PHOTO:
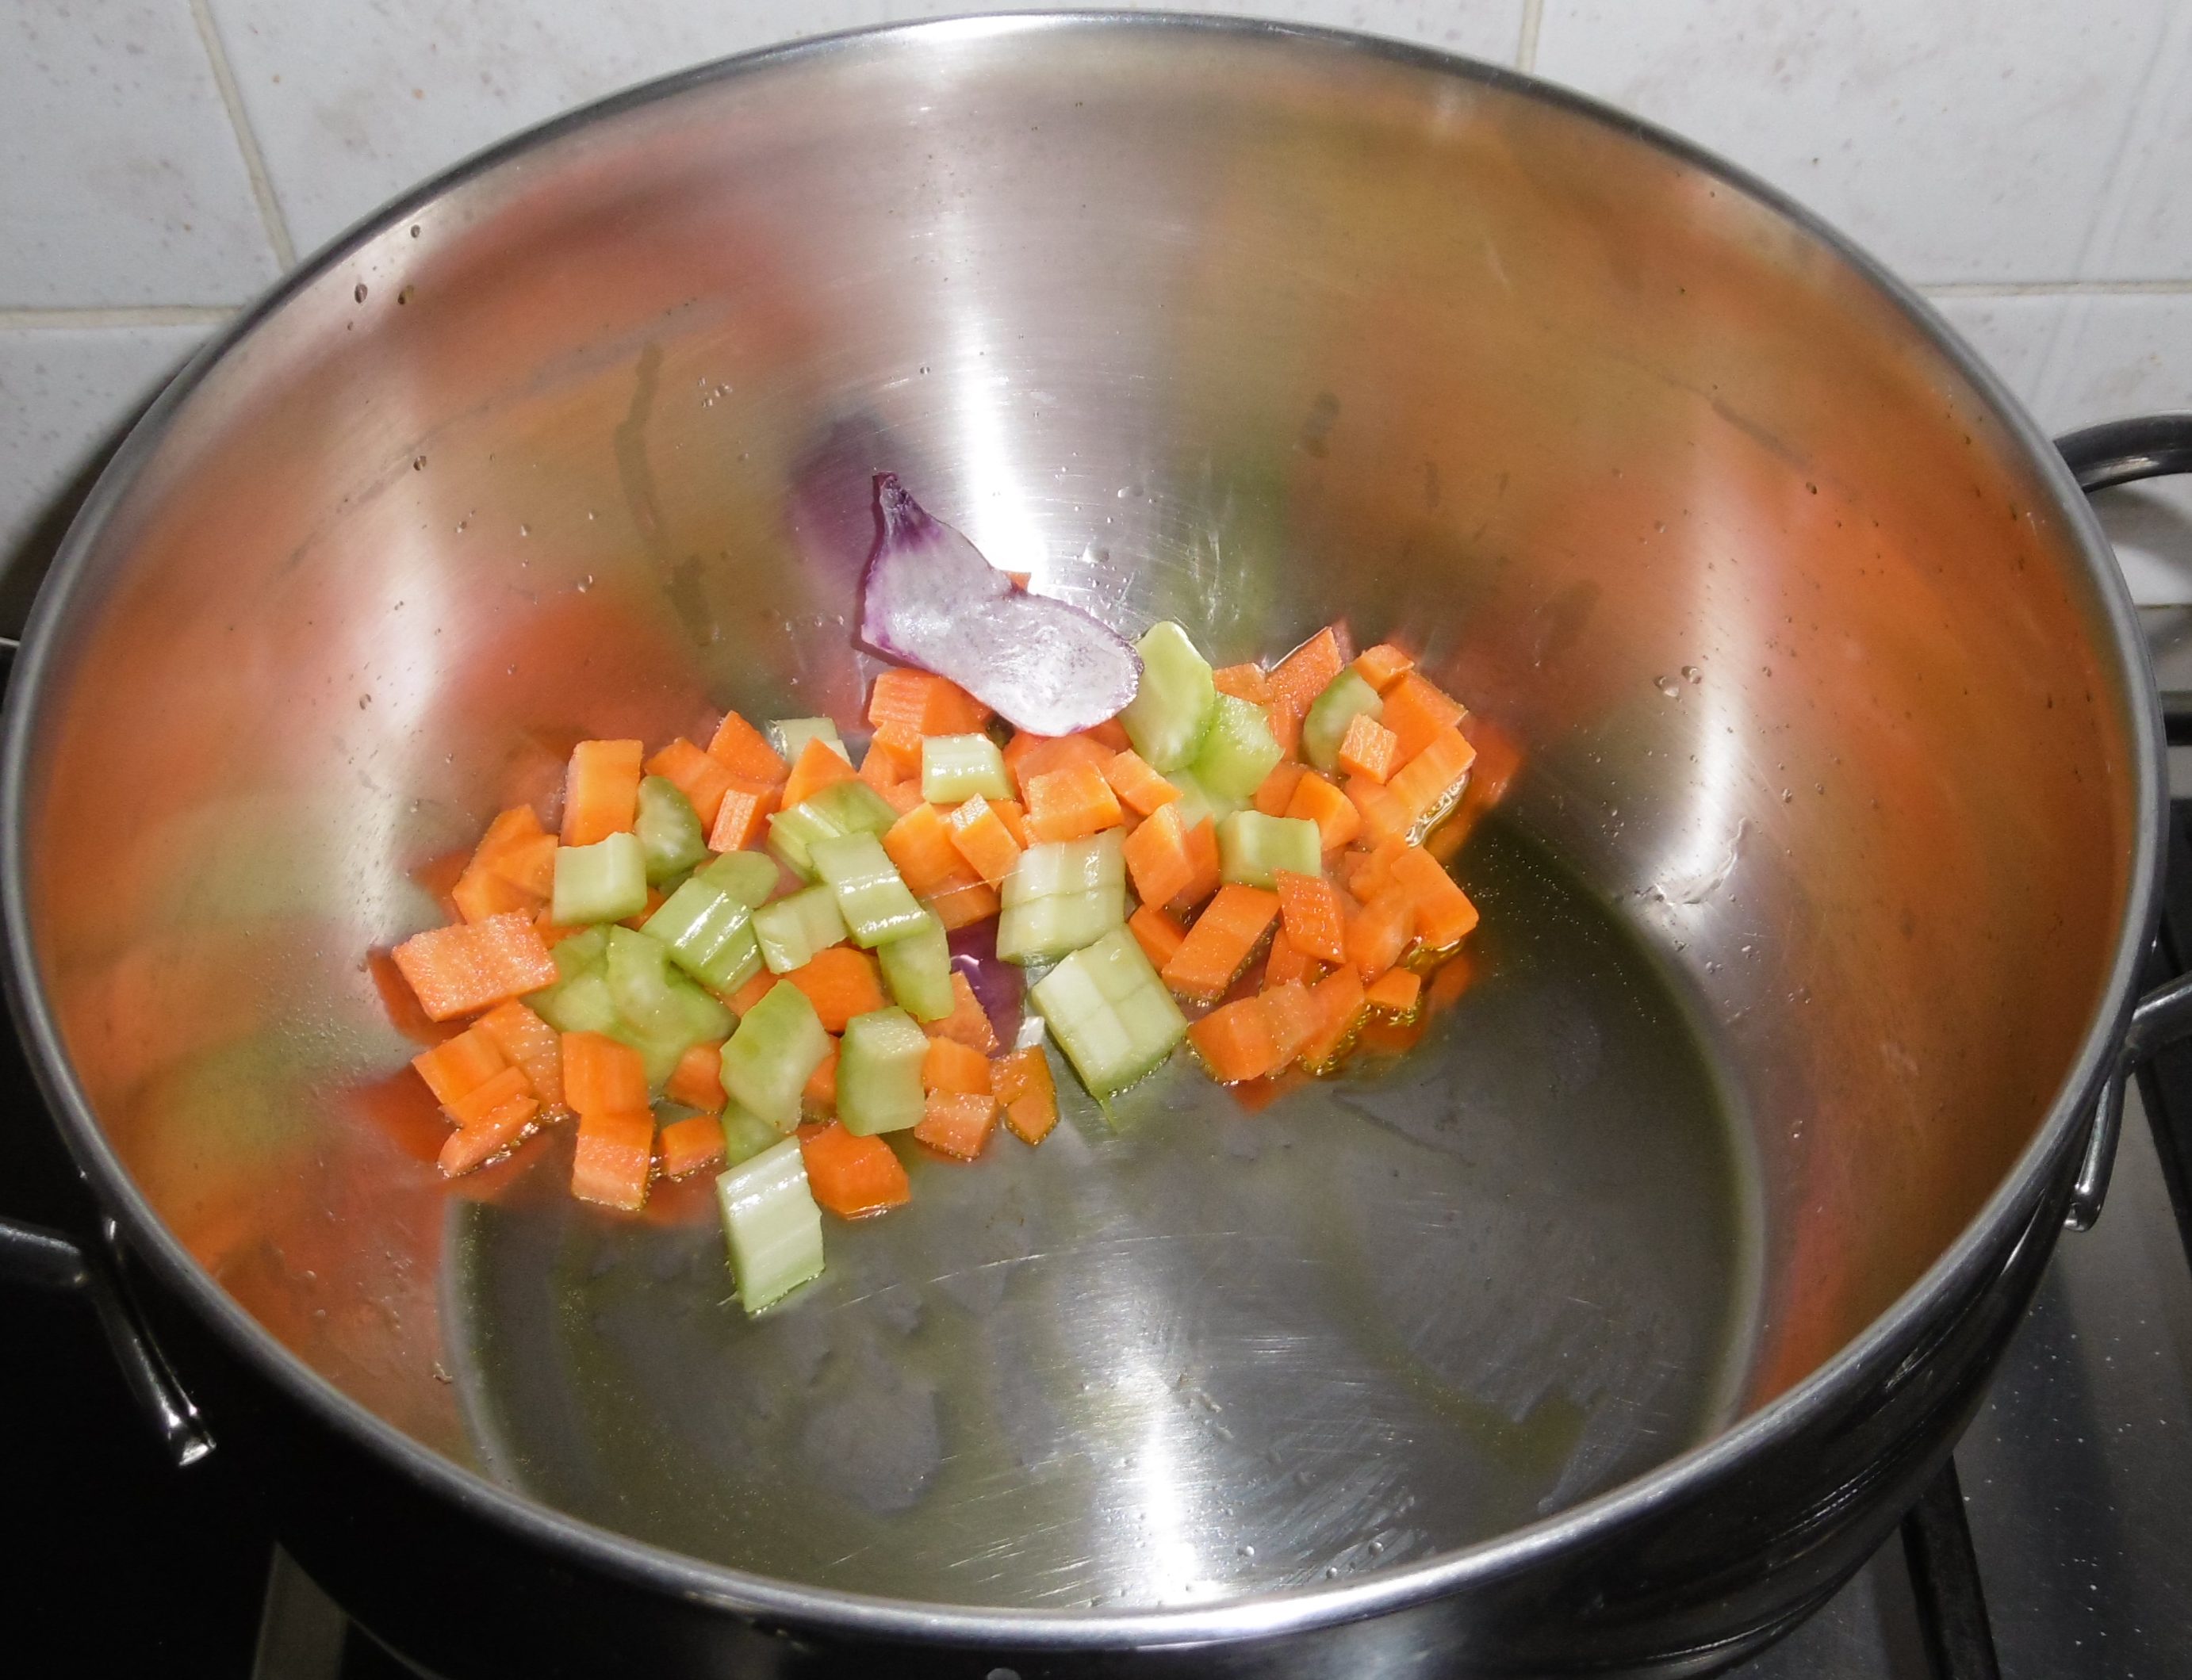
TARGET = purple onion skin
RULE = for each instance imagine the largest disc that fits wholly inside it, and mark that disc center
(928, 599)
(998, 986)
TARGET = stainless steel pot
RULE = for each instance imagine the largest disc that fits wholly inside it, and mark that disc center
(1556, 1347)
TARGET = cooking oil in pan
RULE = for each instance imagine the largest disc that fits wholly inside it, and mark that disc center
(1192, 1351)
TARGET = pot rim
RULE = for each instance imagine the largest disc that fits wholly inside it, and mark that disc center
(1262, 1615)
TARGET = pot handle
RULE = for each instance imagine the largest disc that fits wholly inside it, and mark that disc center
(2122, 451)
(30, 1254)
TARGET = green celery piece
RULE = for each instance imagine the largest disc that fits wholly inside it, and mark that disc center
(871, 896)
(879, 1071)
(1253, 847)
(1172, 708)
(660, 1006)
(746, 876)
(790, 736)
(709, 932)
(1197, 801)
(1042, 930)
(917, 968)
(1331, 712)
(745, 1134)
(1110, 1013)
(579, 1003)
(581, 953)
(792, 930)
(847, 807)
(604, 882)
(668, 830)
(957, 767)
(776, 1048)
(1239, 751)
(771, 1224)
(1053, 866)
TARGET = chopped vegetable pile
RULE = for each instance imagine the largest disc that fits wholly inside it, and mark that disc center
(754, 934)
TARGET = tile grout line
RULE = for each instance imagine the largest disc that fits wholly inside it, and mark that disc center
(1526, 49)
(150, 315)
(255, 161)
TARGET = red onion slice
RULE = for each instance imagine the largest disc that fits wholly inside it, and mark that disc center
(930, 600)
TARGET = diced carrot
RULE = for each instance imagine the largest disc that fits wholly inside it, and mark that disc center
(1424, 781)
(1369, 873)
(926, 704)
(1415, 710)
(957, 1124)
(818, 767)
(1304, 674)
(528, 862)
(743, 1000)
(457, 1067)
(1338, 1000)
(1449, 980)
(1157, 858)
(1158, 935)
(1444, 914)
(1386, 1036)
(468, 966)
(518, 823)
(481, 892)
(1028, 756)
(968, 1023)
(818, 1097)
(1203, 859)
(1286, 729)
(1288, 960)
(600, 790)
(920, 844)
(880, 767)
(701, 777)
(1378, 934)
(982, 839)
(1235, 1042)
(689, 1144)
(1368, 748)
(742, 814)
(1292, 1017)
(697, 1081)
(552, 935)
(480, 1141)
(852, 1177)
(529, 1043)
(841, 983)
(1316, 924)
(902, 796)
(615, 1154)
(1224, 938)
(744, 751)
(601, 1076)
(1070, 802)
(954, 1067)
(1022, 1083)
(1110, 735)
(1248, 682)
(1337, 820)
(902, 741)
(483, 1099)
(1013, 815)
(1396, 992)
(1139, 788)
(512, 869)
(1276, 789)
(1383, 666)
(656, 898)
(1384, 817)
(963, 902)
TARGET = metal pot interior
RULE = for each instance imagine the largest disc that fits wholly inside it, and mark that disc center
(1796, 918)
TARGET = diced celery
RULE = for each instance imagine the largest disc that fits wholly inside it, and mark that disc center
(1172, 708)
(581, 953)
(660, 1006)
(668, 830)
(745, 1134)
(1060, 896)
(1110, 1012)
(1053, 866)
(709, 931)
(792, 930)
(879, 1071)
(746, 876)
(871, 896)
(847, 807)
(917, 968)
(775, 1051)
(1239, 751)
(1331, 712)
(579, 1003)
(771, 1224)
(790, 736)
(604, 882)
(956, 767)
(1252, 846)
(1196, 801)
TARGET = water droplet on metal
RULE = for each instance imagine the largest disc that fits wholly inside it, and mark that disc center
(1693, 674)
(360, 292)
(1667, 687)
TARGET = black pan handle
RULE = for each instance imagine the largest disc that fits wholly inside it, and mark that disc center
(2122, 451)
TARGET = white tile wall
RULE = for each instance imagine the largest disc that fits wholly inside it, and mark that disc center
(2028, 162)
